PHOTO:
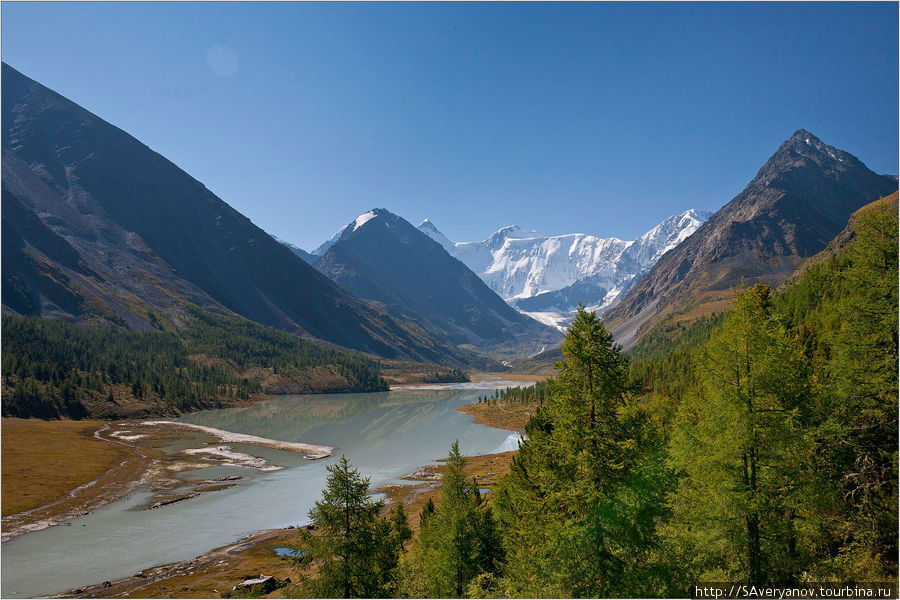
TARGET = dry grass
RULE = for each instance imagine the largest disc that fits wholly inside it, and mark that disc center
(485, 469)
(404, 372)
(502, 415)
(212, 574)
(44, 460)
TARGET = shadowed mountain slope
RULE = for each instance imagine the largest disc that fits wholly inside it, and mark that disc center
(800, 199)
(848, 234)
(382, 257)
(97, 227)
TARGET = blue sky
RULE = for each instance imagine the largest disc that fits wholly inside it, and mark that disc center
(601, 118)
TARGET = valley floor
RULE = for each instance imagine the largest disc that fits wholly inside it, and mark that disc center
(53, 470)
(216, 572)
(257, 553)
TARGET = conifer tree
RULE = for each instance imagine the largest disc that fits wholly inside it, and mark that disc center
(863, 372)
(354, 549)
(427, 510)
(400, 530)
(448, 538)
(593, 368)
(580, 506)
(457, 539)
(739, 446)
(845, 312)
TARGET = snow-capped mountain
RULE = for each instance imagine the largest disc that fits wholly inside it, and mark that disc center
(552, 274)
(313, 256)
(428, 228)
(382, 257)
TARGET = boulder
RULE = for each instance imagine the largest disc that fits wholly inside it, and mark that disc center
(263, 583)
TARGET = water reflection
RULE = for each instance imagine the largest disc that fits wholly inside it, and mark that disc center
(385, 435)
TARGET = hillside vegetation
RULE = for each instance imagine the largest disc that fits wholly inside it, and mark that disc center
(756, 447)
(53, 369)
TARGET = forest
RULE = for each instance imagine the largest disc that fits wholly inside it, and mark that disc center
(53, 369)
(759, 447)
(523, 395)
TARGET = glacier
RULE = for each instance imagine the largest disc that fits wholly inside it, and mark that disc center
(547, 276)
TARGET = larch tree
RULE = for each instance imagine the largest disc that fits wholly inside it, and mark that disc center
(457, 541)
(739, 446)
(580, 506)
(355, 550)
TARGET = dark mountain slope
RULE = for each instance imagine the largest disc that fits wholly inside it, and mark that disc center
(382, 257)
(307, 257)
(800, 199)
(106, 229)
(848, 234)
(22, 272)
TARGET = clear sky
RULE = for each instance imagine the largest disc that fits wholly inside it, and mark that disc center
(599, 118)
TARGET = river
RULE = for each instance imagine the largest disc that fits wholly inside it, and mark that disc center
(385, 435)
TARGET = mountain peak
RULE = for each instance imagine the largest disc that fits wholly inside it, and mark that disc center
(383, 258)
(693, 213)
(804, 144)
(194, 249)
(428, 228)
(799, 200)
(427, 224)
(515, 232)
(374, 215)
(364, 218)
(323, 248)
(804, 135)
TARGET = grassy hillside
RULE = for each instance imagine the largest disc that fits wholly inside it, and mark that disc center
(45, 460)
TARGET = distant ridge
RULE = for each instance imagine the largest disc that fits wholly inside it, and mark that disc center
(307, 257)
